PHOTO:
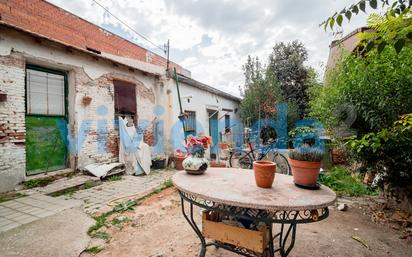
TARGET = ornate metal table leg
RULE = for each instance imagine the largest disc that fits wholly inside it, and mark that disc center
(192, 223)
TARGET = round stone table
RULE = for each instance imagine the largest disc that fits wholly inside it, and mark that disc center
(232, 192)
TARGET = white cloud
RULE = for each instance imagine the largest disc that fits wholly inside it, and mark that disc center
(233, 29)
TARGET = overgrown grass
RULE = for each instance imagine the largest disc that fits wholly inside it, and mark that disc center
(114, 178)
(344, 184)
(38, 182)
(10, 196)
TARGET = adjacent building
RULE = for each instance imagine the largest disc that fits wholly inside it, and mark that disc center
(64, 81)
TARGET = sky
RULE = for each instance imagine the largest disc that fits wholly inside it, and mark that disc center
(213, 38)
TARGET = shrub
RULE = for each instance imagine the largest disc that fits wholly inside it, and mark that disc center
(343, 183)
(388, 152)
(377, 87)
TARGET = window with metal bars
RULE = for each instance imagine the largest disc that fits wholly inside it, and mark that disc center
(190, 122)
(45, 93)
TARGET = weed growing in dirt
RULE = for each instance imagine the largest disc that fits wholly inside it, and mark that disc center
(88, 184)
(38, 182)
(114, 178)
(343, 183)
(101, 235)
(10, 196)
(93, 249)
(100, 222)
(120, 220)
(125, 206)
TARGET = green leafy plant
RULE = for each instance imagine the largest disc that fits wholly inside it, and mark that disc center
(301, 132)
(309, 154)
(93, 249)
(388, 151)
(101, 221)
(377, 89)
(120, 220)
(125, 206)
(40, 182)
(343, 183)
(392, 28)
(114, 178)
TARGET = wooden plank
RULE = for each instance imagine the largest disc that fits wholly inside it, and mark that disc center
(246, 238)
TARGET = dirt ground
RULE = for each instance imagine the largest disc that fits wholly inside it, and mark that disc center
(158, 229)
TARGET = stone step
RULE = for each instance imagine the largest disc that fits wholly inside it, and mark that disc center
(62, 184)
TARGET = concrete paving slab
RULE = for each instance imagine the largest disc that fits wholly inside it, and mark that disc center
(31, 208)
(60, 235)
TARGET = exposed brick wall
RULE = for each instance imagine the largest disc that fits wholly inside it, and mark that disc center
(46, 19)
(12, 122)
(102, 92)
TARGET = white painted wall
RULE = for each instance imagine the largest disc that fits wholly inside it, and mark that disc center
(200, 101)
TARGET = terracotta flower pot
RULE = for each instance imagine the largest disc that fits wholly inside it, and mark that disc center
(223, 146)
(264, 173)
(305, 173)
(178, 162)
(87, 100)
(216, 164)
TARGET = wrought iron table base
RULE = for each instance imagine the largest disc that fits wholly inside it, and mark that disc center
(288, 221)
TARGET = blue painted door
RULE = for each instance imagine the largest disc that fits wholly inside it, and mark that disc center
(214, 133)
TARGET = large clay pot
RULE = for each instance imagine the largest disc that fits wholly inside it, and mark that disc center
(178, 162)
(305, 173)
(264, 173)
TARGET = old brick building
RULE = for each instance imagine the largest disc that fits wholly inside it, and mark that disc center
(64, 81)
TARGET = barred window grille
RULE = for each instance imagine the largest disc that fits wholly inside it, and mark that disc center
(190, 123)
(45, 93)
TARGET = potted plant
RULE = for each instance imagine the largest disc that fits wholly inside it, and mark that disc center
(179, 157)
(159, 161)
(196, 163)
(305, 163)
(264, 173)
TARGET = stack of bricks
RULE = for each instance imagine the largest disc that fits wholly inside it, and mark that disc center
(12, 121)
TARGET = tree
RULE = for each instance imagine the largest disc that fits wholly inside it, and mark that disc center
(393, 28)
(260, 93)
(286, 65)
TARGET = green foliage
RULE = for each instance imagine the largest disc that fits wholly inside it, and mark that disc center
(120, 220)
(341, 181)
(114, 178)
(377, 87)
(10, 196)
(388, 151)
(285, 79)
(387, 30)
(40, 182)
(286, 65)
(260, 93)
(101, 221)
(101, 235)
(125, 206)
(309, 154)
(93, 249)
(393, 28)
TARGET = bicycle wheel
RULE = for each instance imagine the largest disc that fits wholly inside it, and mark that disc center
(240, 159)
(282, 164)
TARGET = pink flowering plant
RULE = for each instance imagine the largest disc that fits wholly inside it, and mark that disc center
(196, 146)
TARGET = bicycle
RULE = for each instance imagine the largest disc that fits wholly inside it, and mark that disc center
(245, 158)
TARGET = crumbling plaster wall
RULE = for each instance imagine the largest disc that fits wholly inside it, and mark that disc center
(12, 122)
(87, 75)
